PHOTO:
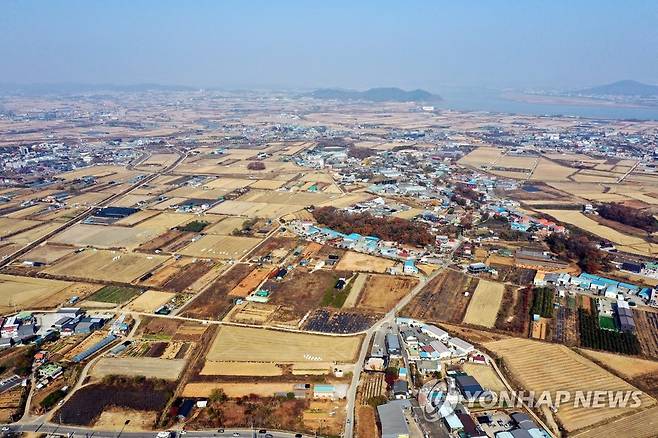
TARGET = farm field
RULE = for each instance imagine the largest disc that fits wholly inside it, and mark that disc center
(150, 300)
(47, 253)
(221, 368)
(443, 298)
(626, 366)
(254, 209)
(104, 236)
(250, 282)
(115, 418)
(514, 310)
(356, 261)
(106, 265)
(357, 286)
(226, 226)
(483, 307)
(235, 390)
(220, 247)
(32, 234)
(481, 157)
(27, 292)
(640, 425)
(150, 367)
(259, 345)
(114, 294)
(214, 301)
(624, 242)
(382, 292)
(647, 331)
(13, 226)
(552, 367)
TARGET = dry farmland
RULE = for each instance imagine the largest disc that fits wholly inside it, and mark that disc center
(235, 390)
(215, 368)
(356, 261)
(226, 226)
(9, 227)
(484, 305)
(47, 253)
(382, 292)
(150, 367)
(626, 366)
(538, 366)
(220, 247)
(106, 265)
(150, 300)
(260, 345)
(104, 236)
(25, 292)
(640, 425)
(444, 298)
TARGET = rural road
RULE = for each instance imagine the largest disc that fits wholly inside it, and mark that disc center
(71, 431)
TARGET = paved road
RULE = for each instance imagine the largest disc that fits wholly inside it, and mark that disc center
(60, 430)
(389, 318)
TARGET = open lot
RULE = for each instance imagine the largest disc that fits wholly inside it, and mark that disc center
(356, 261)
(150, 367)
(260, 345)
(483, 307)
(539, 366)
(625, 366)
(220, 247)
(235, 390)
(106, 265)
(150, 300)
(444, 298)
(485, 375)
(382, 292)
(26, 292)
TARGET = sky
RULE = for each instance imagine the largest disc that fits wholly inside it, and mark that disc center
(350, 44)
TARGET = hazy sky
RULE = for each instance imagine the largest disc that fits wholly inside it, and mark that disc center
(278, 43)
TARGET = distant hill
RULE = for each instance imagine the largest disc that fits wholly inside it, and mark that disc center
(376, 95)
(622, 88)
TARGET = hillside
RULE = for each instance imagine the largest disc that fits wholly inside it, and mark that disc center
(376, 95)
(622, 88)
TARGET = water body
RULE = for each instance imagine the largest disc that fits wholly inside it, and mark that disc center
(491, 101)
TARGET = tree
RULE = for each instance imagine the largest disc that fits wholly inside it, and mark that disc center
(218, 396)
(256, 165)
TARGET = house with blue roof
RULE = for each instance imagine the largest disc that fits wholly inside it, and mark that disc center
(410, 267)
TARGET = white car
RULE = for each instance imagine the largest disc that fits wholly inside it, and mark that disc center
(5, 428)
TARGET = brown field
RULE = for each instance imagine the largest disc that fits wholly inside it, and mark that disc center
(382, 292)
(250, 282)
(626, 366)
(165, 221)
(47, 253)
(104, 265)
(552, 367)
(356, 261)
(27, 292)
(15, 226)
(485, 375)
(136, 218)
(150, 367)
(260, 345)
(483, 307)
(104, 236)
(547, 170)
(221, 247)
(226, 226)
(115, 418)
(214, 301)
(29, 236)
(150, 300)
(366, 422)
(251, 313)
(254, 209)
(302, 291)
(215, 368)
(235, 390)
(640, 425)
(482, 157)
(514, 311)
(443, 298)
(646, 328)
(188, 275)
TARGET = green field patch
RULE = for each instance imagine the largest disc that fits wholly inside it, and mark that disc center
(114, 294)
(607, 323)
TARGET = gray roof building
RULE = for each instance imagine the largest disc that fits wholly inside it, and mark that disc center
(392, 419)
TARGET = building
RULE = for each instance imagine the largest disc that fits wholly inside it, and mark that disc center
(393, 345)
(469, 387)
(436, 332)
(461, 347)
(410, 267)
(477, 268)
(400, 389)
(393, 419)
